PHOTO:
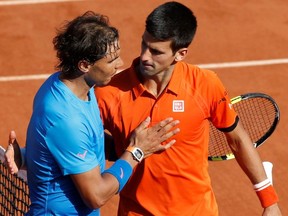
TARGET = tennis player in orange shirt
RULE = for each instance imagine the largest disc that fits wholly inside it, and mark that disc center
(159, 84)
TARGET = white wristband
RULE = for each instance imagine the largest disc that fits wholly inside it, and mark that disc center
(262, 185)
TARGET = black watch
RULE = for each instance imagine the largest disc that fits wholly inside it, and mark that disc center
(137, 153)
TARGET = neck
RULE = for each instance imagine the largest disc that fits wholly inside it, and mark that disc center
(157, 83)
(78, 86)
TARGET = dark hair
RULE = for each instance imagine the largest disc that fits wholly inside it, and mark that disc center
(172, 21)
(86, 37)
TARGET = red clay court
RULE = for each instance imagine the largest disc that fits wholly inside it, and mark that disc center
(245, 42)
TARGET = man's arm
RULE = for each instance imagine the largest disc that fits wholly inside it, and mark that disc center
(14, 156)
(250, 162)
(97, 188)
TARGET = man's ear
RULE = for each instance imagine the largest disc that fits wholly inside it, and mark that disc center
(83, 66)
(181, 54)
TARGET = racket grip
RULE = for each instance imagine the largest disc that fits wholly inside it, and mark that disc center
(268, 166)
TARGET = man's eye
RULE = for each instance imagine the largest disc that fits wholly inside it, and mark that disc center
(156, 52)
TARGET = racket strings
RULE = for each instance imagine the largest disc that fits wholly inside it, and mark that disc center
(257, 116)
(217, 143)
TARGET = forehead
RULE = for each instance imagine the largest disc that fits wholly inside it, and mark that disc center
(112, 53)
(154, 43)
(113, 50)
(113, 47)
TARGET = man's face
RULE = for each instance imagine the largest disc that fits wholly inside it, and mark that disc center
(156, 56)
(104, 69)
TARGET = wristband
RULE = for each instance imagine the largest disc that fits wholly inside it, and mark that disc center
(122, 171)
(266, 193)
(262, 185)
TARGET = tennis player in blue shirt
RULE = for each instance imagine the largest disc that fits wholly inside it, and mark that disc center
(65, 139)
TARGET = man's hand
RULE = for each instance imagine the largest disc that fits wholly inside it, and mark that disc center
(272, 210)
(13, 154)
(150, 139)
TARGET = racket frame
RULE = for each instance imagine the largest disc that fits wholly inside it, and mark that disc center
(260, 141)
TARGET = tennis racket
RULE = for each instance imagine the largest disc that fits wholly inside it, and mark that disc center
(259, 115)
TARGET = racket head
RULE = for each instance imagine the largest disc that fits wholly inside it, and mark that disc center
(259, 115)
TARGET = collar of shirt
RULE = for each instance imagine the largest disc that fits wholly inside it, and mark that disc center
(173, 86)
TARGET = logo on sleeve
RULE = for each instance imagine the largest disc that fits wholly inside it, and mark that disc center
(178, 105)
(82, 155)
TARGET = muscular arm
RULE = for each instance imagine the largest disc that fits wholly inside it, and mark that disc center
(95, 188)
(249, 160)
(245, 154)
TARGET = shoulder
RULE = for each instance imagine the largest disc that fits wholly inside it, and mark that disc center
(204, 83)
(196, 76)
(194, 70)
(122, 82)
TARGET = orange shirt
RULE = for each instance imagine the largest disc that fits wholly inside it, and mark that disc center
(176, 181)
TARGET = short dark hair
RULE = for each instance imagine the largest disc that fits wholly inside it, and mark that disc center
(87, 37)
(172, 21)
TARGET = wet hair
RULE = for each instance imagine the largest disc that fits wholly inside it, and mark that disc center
(172, 21)
(86, 37)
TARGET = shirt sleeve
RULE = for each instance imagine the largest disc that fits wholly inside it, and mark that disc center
(72, 147)
(222, 113)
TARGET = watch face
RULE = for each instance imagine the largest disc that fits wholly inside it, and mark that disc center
(138, 153)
